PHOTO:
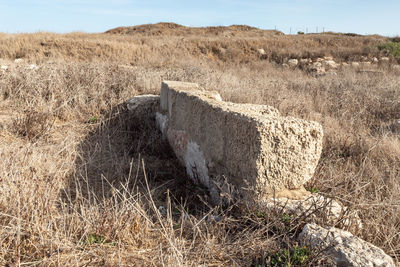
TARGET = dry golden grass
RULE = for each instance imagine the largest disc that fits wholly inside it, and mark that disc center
(81, 179)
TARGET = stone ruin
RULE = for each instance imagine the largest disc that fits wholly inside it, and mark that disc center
(230, 148)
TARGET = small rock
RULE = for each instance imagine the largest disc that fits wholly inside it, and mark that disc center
(261, 51)
(331, 64)
(293, 62)
(344, 64)
(329, 58)
(375, 60)
(319, 59)
(285, 66)
(364, 58)
(345, 248)
(4, 67)
(18, 60)
(355, 64)
(317, 67)
(385, 60)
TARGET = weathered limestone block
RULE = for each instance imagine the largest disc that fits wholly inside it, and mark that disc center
(345, 248)
(241, 142)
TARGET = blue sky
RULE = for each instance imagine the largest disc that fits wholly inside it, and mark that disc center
(365, 17)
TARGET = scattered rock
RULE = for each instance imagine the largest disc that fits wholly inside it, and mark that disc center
(18, 60)
(317, 67)
(285, 66)
(331, 64)
(355, 64)
(375, 60)
(345, 248)
(293, 62)
(4, 67)
(385, 60)
(261, 52)
(344, 64)
(328, 58)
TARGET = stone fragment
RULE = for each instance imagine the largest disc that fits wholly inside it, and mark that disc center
(144, 106)
(375, 60)
(345, 248)
(385, 60)
(244, 143)
(18, 60)
(261, 52)
(293, 62)
(4, 67)
(355, 64)
(331, 64)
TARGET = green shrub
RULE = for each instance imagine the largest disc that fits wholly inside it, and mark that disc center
(392, 48)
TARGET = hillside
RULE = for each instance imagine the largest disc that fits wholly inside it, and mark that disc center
(85, 182)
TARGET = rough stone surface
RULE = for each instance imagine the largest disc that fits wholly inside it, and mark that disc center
(313, 206)
(293, 62)
(241, 142)
(355, 64)
(261, 51)
(385, 60)
(345, 248)
(144, 106)
(331, 64)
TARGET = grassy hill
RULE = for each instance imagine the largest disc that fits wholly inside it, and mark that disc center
(82, 181)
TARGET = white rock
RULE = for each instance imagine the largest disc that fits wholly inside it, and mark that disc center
(4, 67)
(384, 60)
(375, 60)
(344, 64)
(345, 248)
(355, 64)
(284, 65)
(331, 64)
(18, 60)
(305, 60)
(261, 51)
(293, 62)
(329, 58)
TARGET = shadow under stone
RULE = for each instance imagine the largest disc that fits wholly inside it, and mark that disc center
(112, 157)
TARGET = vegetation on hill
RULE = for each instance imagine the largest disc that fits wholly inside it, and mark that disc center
(83, 182)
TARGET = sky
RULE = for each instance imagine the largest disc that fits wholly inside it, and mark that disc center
(290, 16)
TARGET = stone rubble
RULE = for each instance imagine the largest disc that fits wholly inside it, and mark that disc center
(345, 248)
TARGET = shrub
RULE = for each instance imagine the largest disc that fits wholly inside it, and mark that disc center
(391, 48)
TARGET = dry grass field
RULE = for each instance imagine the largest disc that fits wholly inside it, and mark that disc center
(82, 180)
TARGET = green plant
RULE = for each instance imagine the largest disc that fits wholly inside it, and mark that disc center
(392, 48)
(312, 189)
(97, 239)
(289, 257)
(300, 32)
(93, 119)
